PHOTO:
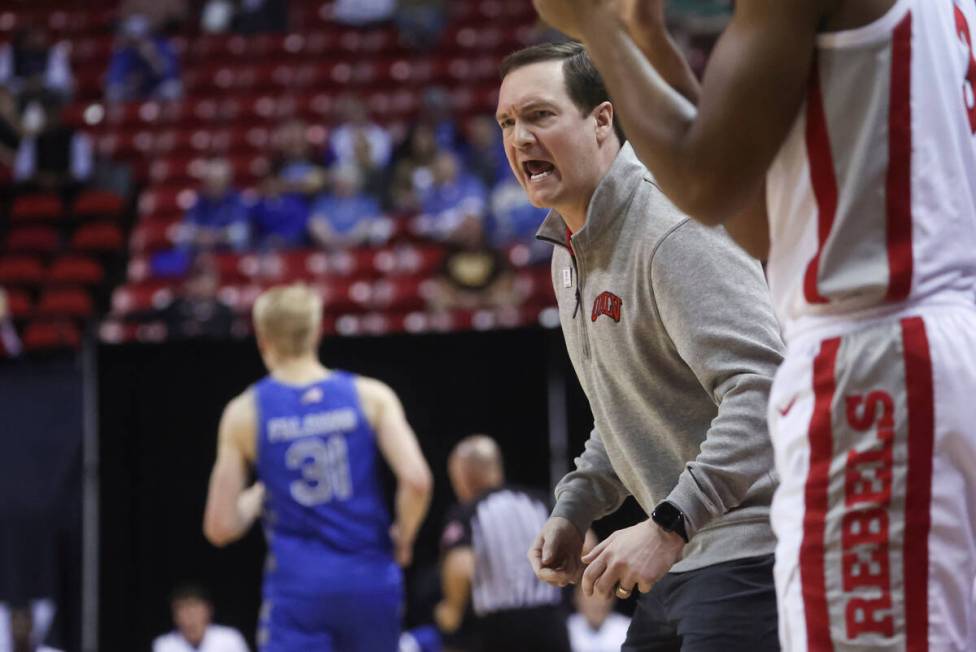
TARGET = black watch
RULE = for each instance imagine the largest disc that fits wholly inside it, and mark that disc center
(670, 519)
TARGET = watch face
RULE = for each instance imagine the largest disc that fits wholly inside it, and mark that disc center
(667, 516)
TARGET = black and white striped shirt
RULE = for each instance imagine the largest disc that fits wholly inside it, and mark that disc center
(500, 527)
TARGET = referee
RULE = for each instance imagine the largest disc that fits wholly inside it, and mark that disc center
(484, 571)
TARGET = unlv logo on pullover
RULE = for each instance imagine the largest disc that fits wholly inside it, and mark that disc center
(607, 304)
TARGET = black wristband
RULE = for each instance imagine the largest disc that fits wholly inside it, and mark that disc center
(670, 519)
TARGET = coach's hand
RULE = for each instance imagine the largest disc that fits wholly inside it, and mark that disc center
(556, 553)
(636, 556)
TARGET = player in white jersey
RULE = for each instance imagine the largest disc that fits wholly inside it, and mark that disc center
(836, 138)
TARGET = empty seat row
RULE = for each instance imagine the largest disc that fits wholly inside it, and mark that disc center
(69, 269)
(66, 302)
(44, 206)
(95, 237)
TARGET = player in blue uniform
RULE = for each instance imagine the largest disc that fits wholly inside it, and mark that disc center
(315, 437)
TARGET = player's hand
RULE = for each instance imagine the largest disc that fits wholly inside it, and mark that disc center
(636, 556)
(644, 20)
(556, 553)
(447, 617)
(569, 16)
(402, 548)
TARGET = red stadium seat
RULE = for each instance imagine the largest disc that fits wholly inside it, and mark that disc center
(49, 335)
(99, 237)
(65, 302)
(37, 207)
(21, 270)
(18, 303)
(75, 270)
(98, 203)
(33, 239)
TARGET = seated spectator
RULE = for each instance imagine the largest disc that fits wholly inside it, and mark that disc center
(346, 217)
(485, 151)
(437, 111)
(167, 17)
(9, 341)
(473, 275)
(375, 178)
(514, 220)
(412, 170)
(10, 127)
(260, 17)
(294, 164)
(197, 311)
(144, 65)
(30, 66)
(354, 125)
(23, 637)
(220, 216)
(596, 627)
(453, 197)
(279, 219)
(421, 22)
(362, 13)
(192, 616)
(54, 156)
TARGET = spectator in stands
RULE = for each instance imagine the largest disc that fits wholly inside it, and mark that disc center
(23, 638)
(355, 125)
(421, 22)
(260, 16)
(220, 217)
(144, 65)
(514, 220)
(412, 170)
(167, 17)
(9, 341)
(596, 627)
(346, 217)
(195, 632)
(473, 275)
(53, 156)
(437, 111)
(294, 164)
(362, 13)
(198, 310)
(485, 153)
(30, 66)
(10, 127)
(279, 219)
(453, 198)
(375, 177)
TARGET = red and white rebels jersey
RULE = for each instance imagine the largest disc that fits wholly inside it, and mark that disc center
(872, 199)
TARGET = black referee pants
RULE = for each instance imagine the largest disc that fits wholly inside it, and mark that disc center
(728, 607)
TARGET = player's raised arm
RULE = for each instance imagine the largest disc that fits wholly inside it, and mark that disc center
(711, 161)
(398, 444)
(232, 509)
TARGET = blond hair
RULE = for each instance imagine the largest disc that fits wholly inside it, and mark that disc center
(289, 317)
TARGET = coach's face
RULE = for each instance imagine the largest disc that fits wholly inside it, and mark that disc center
(551, 145)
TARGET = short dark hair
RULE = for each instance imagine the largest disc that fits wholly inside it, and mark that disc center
(190, 591)
(584, 85)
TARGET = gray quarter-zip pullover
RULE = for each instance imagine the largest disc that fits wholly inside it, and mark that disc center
(671, 332)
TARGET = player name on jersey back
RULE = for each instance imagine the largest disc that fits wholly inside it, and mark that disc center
(312, 425)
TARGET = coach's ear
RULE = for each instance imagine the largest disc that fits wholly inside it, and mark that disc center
(603, 113)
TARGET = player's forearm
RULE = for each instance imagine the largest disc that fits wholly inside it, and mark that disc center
(412, 501)
(657, 118)
(666, 57)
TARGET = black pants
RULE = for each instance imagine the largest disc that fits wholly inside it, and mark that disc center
(728, 607)
(542, 629)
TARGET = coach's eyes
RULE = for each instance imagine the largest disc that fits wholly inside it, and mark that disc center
(507, 122)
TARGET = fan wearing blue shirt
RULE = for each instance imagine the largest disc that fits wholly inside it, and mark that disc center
(346, 217)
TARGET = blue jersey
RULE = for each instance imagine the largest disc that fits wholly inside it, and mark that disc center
(325, 519)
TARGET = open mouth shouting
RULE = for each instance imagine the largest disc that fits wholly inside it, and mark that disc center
(537, 170)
